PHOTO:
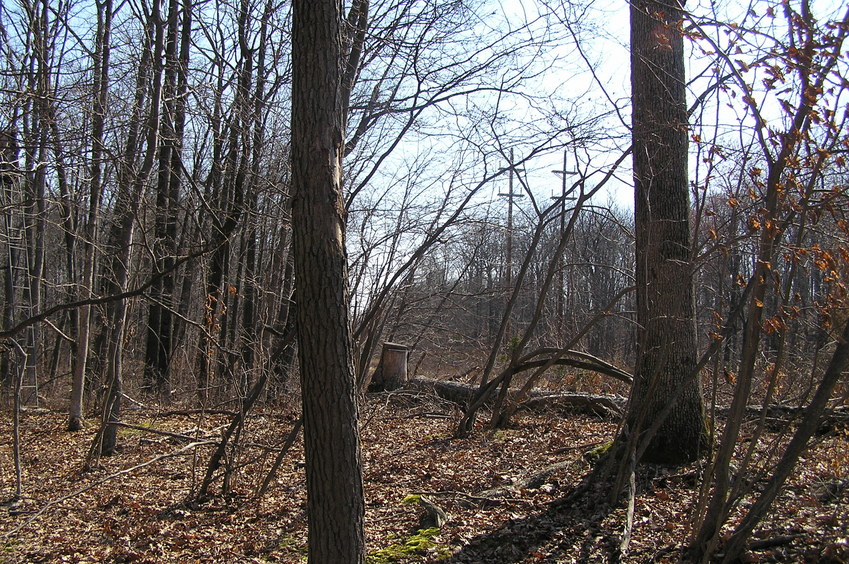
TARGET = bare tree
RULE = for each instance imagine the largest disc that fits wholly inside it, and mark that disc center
(133, 174)
(160, 330)
(100, 100)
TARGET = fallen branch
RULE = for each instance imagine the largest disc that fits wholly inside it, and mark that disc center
(534, 481)
(189, 412)
(179, 436)
(477, 499)
(763, 544)
(134, 401)
(593, 404)
(629, 514)
(776, 412)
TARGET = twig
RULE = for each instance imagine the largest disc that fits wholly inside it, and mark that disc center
(629, 515)
(190, 438)
(154, 431)
(762, 544)
(429, 415)
(476, 498)
(137, 402)
(188, 412)
(290, 440)
(84, 489)
(564, 450)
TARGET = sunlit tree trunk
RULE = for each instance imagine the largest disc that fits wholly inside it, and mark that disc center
(666, 338)
(328, 386)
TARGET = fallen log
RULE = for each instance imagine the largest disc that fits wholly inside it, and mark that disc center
(784, 413)
(591, 404)
(462, 394)
(595, 404)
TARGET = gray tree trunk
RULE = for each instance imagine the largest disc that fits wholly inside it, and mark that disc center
(101, 89)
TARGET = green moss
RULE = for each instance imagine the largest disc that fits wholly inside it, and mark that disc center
(411, 499)
(418, 544)
(404, 549)
(596, 453)
(501, 435)
(129, 431)
(294, 545)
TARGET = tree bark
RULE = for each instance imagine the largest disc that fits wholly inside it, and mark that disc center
(666, 340)
(328, 384)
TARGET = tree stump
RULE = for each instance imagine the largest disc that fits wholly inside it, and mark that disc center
(391, 372)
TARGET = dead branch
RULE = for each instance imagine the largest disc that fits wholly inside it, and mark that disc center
(290, 440)
(530, 482)
(629, 514)
(179, 436)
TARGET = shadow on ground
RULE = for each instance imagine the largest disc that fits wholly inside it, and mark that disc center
(569, 530)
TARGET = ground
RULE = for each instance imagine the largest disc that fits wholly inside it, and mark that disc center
(144, 514)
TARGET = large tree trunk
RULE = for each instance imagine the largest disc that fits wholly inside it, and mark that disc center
(328, 386)
(666, 341)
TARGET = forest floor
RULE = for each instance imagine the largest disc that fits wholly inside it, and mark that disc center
(134, 507)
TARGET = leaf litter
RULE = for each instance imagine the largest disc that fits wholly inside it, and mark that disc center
(509, 495)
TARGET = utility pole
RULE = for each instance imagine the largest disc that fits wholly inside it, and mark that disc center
(561, 309)
(510, 194)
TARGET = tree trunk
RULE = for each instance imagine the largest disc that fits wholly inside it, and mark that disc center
(228, 185)
(666, 340)
(101, 76)
(391, 371)
(160, 332)
(328, 383)
(8, 176)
